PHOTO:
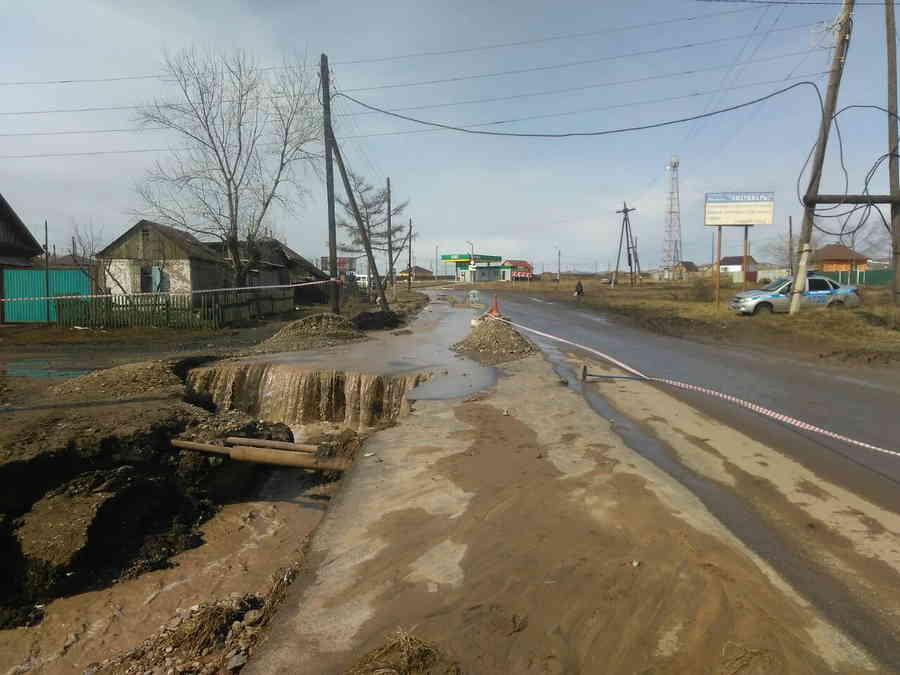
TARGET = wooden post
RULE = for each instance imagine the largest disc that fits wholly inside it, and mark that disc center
(409, 255)
(333, 288)
(717, 270)
(893, 164)
(744, 266)
(46, 276)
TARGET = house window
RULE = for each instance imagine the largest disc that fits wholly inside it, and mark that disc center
(146, 279)
(153, 280)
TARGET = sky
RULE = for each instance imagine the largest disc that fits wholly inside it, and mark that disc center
(532, 198)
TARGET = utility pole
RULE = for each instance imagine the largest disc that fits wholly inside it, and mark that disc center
(46, 275)
(812, 197)
(630, 247)
(893, 166)
(333, 288)
(409, 252)
(558, 263)
(390, 242)
(435, 261)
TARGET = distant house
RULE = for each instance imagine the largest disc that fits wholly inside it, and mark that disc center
(838, 258)
(419, 273)
(17, 245)
(270, 263)
(735, 263)
(154, 258)
(516, 270)
(686, 270)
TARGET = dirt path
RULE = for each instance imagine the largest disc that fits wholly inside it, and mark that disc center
(518, 532)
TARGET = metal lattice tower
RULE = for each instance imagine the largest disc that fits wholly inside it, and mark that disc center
(672, 245)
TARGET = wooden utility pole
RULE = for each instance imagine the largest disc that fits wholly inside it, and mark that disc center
(409, 253)
(630, 247)
(334, 289)
(744, 265)
(893, 165)
(363, 232)
(390, 236)
(46, 275)
(812, 196)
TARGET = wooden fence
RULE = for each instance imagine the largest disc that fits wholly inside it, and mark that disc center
(199, 310)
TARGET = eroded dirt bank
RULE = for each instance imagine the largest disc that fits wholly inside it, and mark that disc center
(516, 531)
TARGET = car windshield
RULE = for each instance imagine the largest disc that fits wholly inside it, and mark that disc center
(775, 284)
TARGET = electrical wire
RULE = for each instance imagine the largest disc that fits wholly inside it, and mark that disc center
(605, 132)
(570, 64)
(446, 52)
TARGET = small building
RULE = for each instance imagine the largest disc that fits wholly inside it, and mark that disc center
(686, 270)
(154, 258)
(516, 270)
(270, 263)
(17, 245)
(418, 273)
(838, 258)
(475, 268)
(735, 263)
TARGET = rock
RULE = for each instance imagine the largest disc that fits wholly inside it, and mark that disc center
(252, 617)
(236, 662)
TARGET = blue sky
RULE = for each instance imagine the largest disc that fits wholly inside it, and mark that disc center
(514, 197)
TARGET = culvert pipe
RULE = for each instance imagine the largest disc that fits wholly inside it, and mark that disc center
(241, 453)
(278, 445)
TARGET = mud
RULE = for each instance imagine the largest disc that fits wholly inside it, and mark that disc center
(493, 342)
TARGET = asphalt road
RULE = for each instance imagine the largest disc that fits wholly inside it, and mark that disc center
(863, 403)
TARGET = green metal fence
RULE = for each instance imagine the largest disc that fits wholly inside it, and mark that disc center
(32, 283)
(861, 277)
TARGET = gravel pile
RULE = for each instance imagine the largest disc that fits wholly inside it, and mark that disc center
(493, 342)
(311, 332)
(133, 379)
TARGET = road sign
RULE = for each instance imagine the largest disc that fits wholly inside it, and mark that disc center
(739, 208)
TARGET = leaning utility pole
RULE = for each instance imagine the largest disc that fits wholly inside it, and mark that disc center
(893, 166)
(812, 196)
(363, 232)
(630, 247)
(333, 289)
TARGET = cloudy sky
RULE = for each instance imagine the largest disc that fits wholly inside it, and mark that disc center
(514, 197)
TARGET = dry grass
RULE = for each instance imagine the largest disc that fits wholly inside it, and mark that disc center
(687, 309)
(405, 654)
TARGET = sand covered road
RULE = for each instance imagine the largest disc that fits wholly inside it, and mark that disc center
(518, 532)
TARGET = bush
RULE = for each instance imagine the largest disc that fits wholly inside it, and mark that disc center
(701, 290)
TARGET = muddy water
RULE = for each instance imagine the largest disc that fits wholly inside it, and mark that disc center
(827, 594)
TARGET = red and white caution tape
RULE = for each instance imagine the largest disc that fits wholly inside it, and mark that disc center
(144, 295)
(754, 407)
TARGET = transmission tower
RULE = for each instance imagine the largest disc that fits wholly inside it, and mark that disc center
(672, 245)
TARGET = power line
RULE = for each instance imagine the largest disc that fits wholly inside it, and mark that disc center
(445, 52)
(571, 64)
(511, 97)
(788, 2)
(359, 135)
(606, 132)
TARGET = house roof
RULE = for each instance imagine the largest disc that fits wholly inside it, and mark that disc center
(416, 270)
(193, 247)
(688, 266)
(737, 260)
(517, 263)
(23, 239)
(838, 253)
(274, 254)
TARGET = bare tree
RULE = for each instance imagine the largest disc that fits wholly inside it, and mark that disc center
(372, 203)
(779, 249)
(244, 133)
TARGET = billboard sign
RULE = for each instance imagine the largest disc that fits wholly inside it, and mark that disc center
(344, 265)
(739, 208)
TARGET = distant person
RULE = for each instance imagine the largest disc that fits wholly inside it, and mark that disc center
(579, 291)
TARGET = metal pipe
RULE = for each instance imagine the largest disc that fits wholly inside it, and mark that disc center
(278, 445)
(241, 453)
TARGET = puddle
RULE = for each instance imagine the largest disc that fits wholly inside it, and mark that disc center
(425, 349)
(39, 370)
(827, 594)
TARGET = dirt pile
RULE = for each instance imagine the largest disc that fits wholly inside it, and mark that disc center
(376, 320)
(493, 342)
(311, 332)
(214, 637)
(405, 654)
(131, 380)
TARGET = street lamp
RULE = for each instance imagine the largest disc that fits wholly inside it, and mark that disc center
(558, 261)
(472, 267)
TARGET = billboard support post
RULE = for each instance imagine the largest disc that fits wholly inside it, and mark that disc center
(744, 266)
(717, 272)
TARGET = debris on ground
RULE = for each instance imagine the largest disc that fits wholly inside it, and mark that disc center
(380, 320)
(130, 380)
(213, 637)
(493, 342)
(405, 654)
(311, 332)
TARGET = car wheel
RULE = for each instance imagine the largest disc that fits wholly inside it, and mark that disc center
(762, 308)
